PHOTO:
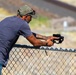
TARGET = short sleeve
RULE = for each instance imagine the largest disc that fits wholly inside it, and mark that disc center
(25, 30)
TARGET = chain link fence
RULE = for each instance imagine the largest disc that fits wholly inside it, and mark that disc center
(28, 60)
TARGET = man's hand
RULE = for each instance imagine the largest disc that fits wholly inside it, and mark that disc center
(49, 42)
(56, 38)
(52, 38)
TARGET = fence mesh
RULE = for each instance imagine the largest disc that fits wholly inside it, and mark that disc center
(31, 61)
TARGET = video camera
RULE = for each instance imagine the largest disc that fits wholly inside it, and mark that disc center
(60, 40)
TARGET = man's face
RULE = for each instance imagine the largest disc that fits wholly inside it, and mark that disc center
(28, 18)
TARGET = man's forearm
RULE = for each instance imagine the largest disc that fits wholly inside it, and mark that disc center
(37, 42)
(38, 36)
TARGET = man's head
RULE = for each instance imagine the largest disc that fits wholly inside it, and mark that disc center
(26, 12)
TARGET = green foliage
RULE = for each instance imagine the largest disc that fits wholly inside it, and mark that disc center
(39, 21)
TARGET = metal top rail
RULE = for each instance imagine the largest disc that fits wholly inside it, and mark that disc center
(46, 48)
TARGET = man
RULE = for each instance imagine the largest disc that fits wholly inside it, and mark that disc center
(12, 27)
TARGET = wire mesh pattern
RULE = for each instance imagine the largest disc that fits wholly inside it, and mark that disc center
(35, 61)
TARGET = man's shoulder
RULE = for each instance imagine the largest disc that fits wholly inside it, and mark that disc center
(16, 20)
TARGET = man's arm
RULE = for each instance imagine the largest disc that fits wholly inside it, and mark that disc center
(38, 36)
(42, 37)
(36, 42)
